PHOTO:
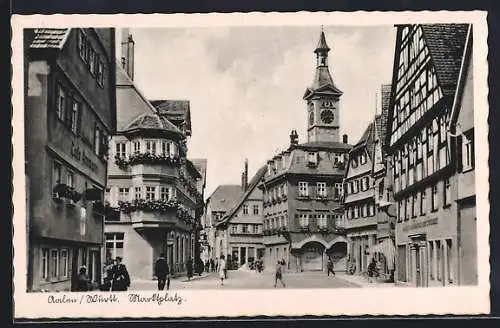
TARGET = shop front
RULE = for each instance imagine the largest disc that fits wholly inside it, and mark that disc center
(311, 254)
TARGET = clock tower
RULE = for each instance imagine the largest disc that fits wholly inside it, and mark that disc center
(322, 99)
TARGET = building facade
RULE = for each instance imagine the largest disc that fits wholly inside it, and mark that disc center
(303, 184)
(242, 225)
(425, 76)
(70, 111)
(359, 200)
(462, 135)
(220, 202)
(154, 193)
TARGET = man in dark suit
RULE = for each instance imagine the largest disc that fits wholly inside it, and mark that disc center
(162, 272)
(120, 276)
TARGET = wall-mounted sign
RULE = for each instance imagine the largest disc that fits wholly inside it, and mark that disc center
(420, 224)
(81, 156)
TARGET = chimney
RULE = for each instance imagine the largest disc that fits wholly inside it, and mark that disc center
(244, 177)
(128, 53)
(344, 138)
(294, 138)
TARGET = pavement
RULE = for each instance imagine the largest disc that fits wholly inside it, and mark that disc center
(363, 281)
(247, 279)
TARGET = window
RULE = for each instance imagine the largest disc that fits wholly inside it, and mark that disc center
(364, 210)
(312, 158)
(150, 193)
(114, 245)
(45, 263)
(164, 193)
(100, 73)
(446, 193)
(92, 61)
(121, 149)
(321, 220)
(467, 152)
(138, 193)
(82, 45)
(244, 228)
(61, 102)
(64, 263)
(337, 190)
(97, 141)
(234, 229)
(339, 158)
(434, 198)
(356, 212)
(75, 117)
(400, 211)
(422, 202)
(362, 159)
(371, 210)
(151, 146)
(356, 186)
(165, 147)
(303, 220)
(54, 263)
(321, 189)
(256, 210)
(70, 179)
(414, 205)
(137, 147)
(245, 209)
(354, 163)
(56, 173)
(303, 189)
(123, 193)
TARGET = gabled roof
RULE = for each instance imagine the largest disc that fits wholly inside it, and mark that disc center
(446, 44)
(462, 78)
(49, 38)
(201, 166)
(224, 197)
(251, 187)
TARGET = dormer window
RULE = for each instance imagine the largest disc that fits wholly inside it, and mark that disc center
(362, 158)
(312, 158)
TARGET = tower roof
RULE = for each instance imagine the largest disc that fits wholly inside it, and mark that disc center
(322, 45)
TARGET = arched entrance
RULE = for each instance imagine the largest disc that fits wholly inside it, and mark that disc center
(312, 256)
(338, 253)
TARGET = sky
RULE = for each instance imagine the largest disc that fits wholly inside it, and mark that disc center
(245, 85)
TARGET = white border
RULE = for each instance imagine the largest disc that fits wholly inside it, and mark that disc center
(387, 301)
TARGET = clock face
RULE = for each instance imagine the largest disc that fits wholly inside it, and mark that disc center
(311, 118)
(327, 116)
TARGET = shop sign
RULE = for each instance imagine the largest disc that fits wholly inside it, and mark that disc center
(81, 156)
(420, 224)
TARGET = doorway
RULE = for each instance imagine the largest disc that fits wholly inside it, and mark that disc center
(243, 252)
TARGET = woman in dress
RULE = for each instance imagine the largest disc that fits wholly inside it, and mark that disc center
(222, 267)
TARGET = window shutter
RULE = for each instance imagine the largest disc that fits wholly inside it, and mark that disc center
(459, 158)
(473, 153)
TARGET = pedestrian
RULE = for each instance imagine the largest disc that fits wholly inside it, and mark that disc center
(279, 274)
(83, 284)
(212, 265)
(108, 278)
(372, 270)
(225, 265)
(120, 276)
(221, 266)
(189, 268)
(216, 264)
(329, 267)
(162, 272)
(207, 266)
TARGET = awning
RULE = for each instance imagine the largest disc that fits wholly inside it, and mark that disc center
(387, 248)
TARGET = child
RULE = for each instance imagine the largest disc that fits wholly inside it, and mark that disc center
(222, 269)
